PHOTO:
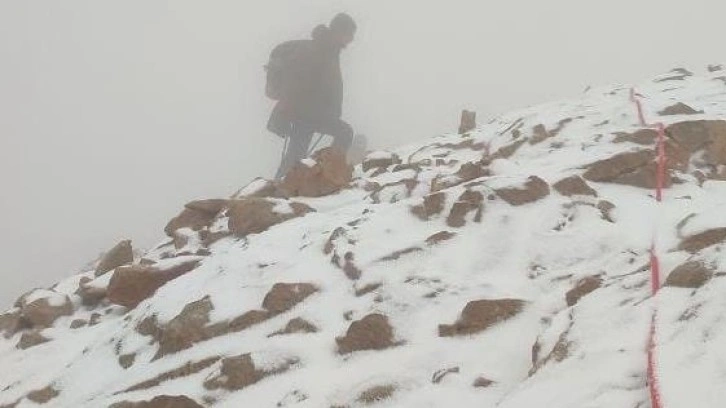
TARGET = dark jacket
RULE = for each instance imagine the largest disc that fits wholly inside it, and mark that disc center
(315, 95)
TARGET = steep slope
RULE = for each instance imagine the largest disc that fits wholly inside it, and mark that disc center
(508, 267)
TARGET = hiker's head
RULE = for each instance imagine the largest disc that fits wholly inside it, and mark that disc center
(342, 29)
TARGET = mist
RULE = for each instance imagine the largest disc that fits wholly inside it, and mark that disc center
(115, 114)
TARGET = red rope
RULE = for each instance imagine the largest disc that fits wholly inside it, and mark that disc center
(653, 383)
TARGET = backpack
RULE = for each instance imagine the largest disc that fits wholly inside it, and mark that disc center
(281, 68)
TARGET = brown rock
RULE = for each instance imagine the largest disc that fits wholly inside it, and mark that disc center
(373, 332)
(471, 171)
(574, 185)
(703, 240)
(90, 296)
(433, 204)
(130, 285)
(284, 296)
(295, 326)
(645, 137)
(479, 315)
(240, 372)
(692, 274)
(439, 237)
(121, 254)
(43, 395)
(31, 339)
(162, 401)
(376, 394)
(256, 215)
(583, 288)
(330, 174)
(679, 108)
(380, 163)
(190, 368)
(186, 329)
(268, 189)
(211, 207)
(534, 189)
(467, 202)
(188, 218)
(11, 322)
(701, 134)
(636, 169)
(40, 313)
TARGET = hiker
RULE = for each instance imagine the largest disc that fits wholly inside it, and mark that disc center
(304, 76)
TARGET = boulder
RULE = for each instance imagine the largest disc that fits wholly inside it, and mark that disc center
(574, 186)
(327, 174)
(284, 296)
(240, 372)
(11, 322)
(196, 215)
(44, 311)
(373, 332)
(679, 108)
(119, 255)
(378, 162)
(636, 169)
(702, 134)
(582, 289)
(43, 395)
(468, 201)
(646, 137)
(296, 326)
(256, 215)
(479, 315)
(31, 339)
(186, 329)
(90, 296)
(692, 274)
(433, 204)
(533, 190)
(130, 285)
(261, 188)
(703, 240)
(161, 401)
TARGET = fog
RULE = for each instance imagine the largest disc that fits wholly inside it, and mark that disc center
(116, 113)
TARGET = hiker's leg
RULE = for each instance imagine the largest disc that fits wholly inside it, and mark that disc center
(342, 134)
(297, 149)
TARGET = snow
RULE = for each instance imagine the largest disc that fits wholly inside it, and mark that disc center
(535, 252)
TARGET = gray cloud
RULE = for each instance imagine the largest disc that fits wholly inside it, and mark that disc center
(116, 113)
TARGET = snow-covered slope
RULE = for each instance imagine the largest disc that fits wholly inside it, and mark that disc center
(456, 272)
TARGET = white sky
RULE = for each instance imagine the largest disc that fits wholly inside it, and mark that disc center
(114, 114)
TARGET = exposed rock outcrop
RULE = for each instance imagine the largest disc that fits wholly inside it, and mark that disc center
(327, 172)
(119, 255)
(373, 332)
(479, 315)
(255, 215)
(130, 285)
(533, 190)
(692, 274)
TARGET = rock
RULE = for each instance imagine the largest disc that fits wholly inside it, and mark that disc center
(11, 322)
(645, 137)
(472, 171)
(193, 219)
(702, 134)
(296, 326)
(479, 315)
(256, 215)
(376, 394)
(468, 122)
(186, 329)
(574, 185)
(130, 285)
(373, 332)
(703, 240)
(121, 254)
(382, 162)
(330, 174)
(261, 188)
(636, 169)
(31, 339)
(78, 323)
(43, 395)
(212, 207)
(433, 204)
(692, 274)
(583, 288)
(441, 374)
(679, 108)
(439, 237)
(467, 202)
(482, 382)
(43, 312)
(186, 370)
(240, 372)
(534, 189)
(162, 401)
(91, 296)
(126, 360)
(284, 296)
